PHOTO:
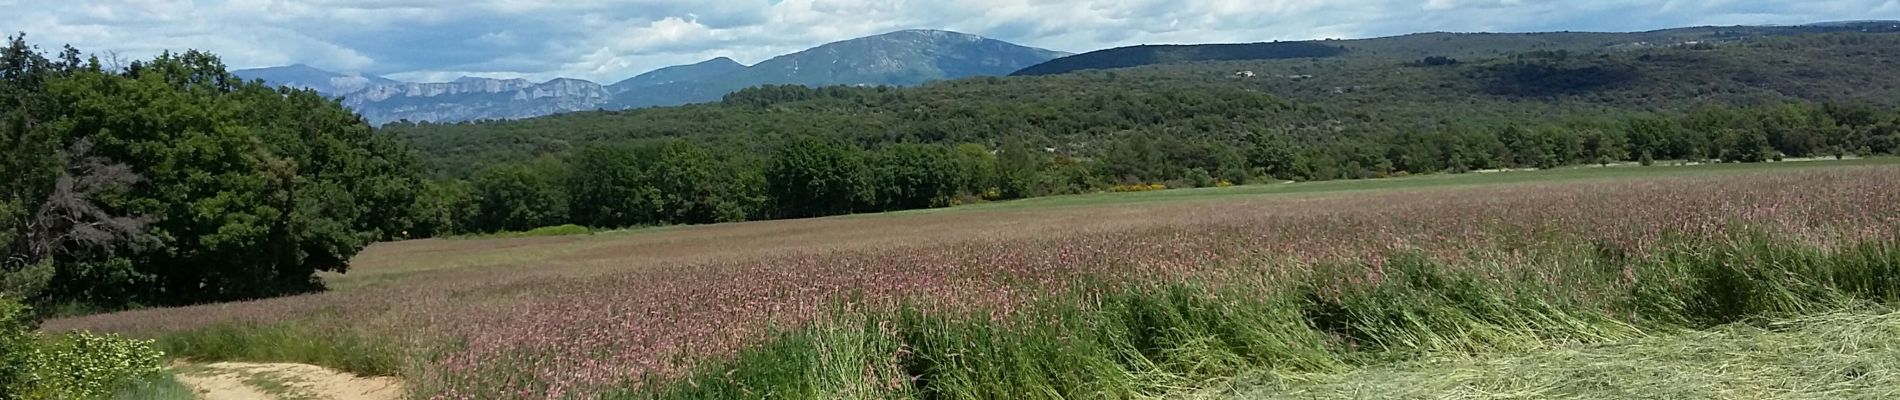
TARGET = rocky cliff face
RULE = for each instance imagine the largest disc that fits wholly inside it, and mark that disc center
(307, 77)
(469, 99)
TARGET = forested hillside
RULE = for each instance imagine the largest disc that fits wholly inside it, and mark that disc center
(1173, 125)
(1442, 45)
(1313, 102)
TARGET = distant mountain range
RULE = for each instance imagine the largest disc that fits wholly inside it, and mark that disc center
(913, 57)
(308, 77)
(901, 58)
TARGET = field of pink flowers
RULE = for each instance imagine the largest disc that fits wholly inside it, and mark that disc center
(569, 317)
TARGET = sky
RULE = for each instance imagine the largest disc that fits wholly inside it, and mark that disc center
(610, 40)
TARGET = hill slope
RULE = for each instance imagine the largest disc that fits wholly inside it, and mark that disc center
(902, 58)
(1323, 102)
(680, 73)
(1437, 44)
(1135, 56)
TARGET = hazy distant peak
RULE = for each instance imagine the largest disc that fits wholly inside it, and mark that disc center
(719, 60)
(308, 77)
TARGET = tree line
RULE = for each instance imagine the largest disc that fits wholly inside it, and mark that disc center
(682, 182)
(676, 181)
(1313, 102)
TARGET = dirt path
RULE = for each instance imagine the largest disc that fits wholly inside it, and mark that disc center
(256, 381)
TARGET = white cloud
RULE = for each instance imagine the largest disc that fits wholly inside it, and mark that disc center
(609, 40)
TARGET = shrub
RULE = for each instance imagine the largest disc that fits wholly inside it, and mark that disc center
(83, 365)
(26, 282)
(15, 345)
(557, 230)
(70, 366)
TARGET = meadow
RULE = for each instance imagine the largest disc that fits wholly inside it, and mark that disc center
(1316, 290)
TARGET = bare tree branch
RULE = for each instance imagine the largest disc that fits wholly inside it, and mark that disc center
(70, 219)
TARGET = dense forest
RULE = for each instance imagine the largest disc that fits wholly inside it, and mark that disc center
(170, 181)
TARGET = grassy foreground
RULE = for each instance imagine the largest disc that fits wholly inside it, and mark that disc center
(1848, 354)
(1377, 331)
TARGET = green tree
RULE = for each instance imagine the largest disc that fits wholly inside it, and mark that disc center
(442, 208)
(977, 170)
(613, 187)
(809, 177)
(911, 176)
(173, 181)
(1746, 146)
(1135, 157)
(692, 189)
(1602, 147)
(1017, 168)
(518, 197)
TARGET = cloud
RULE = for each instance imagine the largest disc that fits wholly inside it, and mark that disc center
(609, 40)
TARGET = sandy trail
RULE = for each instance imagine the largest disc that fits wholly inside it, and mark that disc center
(283, 381)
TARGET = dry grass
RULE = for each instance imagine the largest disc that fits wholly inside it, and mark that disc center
(557, 316)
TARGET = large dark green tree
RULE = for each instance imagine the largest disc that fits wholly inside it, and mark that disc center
(809, 177)
(697, 187)
(611, 186)
(1275, 156)
(442, 208)
(178, 182)
(912, 176)
(519, 197)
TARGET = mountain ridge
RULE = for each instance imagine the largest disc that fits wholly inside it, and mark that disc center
(1416, 46)
(308, 77)
(678, 73)
(900, 58)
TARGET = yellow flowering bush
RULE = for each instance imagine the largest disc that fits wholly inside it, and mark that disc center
(1138, 187)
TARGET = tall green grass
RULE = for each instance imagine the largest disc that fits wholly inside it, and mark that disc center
(297, 342)
(1846, 354)
(1108, 342)
(159, 386)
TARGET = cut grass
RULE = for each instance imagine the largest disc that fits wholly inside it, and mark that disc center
(1853, 354)
(277, 385)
